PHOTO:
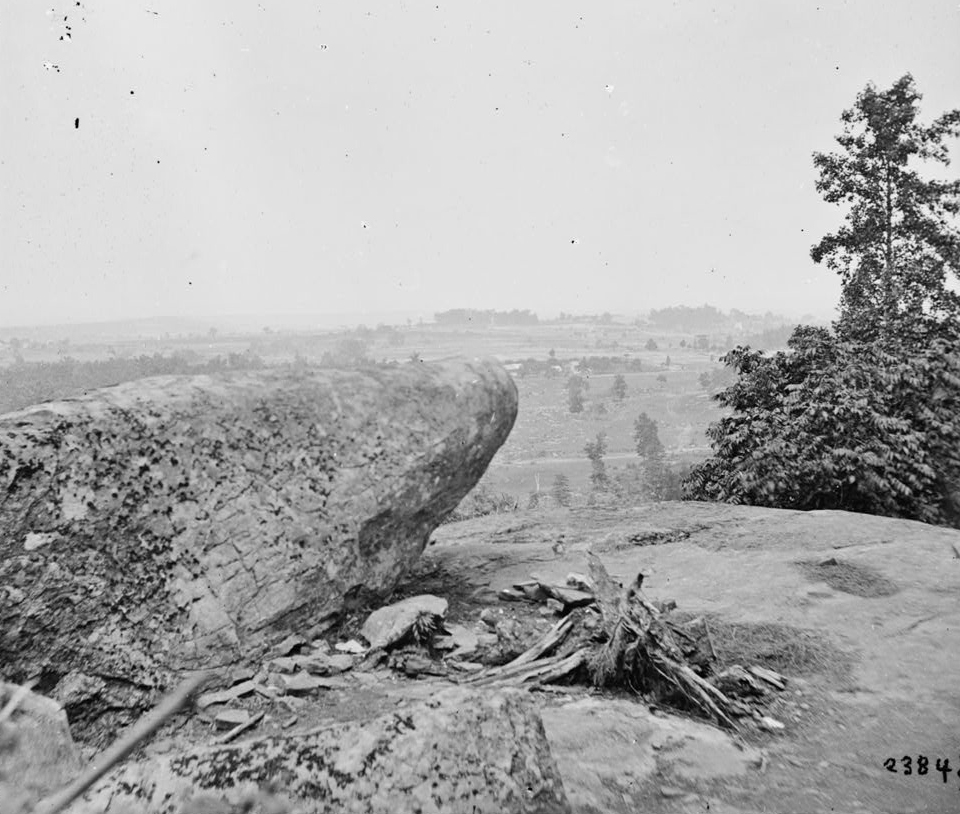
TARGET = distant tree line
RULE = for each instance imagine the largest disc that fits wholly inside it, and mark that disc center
(702, 319)
(29, 383)
(594, 364)
(470, 316)
(708, 320)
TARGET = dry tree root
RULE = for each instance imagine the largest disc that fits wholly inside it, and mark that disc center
(641, 651)
(634, 646)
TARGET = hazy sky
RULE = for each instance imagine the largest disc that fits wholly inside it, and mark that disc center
(235, 156)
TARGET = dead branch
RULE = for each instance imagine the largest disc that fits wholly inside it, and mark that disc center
(240, 728)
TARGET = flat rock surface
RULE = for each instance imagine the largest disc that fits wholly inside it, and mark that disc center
(886, 686)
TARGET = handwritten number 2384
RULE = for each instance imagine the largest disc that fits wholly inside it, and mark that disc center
(942, 765)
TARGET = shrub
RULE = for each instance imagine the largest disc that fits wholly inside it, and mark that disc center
(838, 424)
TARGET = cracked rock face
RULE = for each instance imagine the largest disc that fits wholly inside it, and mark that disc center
(182, 523)
(461, 751)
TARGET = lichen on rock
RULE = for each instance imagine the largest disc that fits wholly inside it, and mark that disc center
(182, 523)
(460, 751)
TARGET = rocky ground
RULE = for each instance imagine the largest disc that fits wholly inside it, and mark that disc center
(858, 614)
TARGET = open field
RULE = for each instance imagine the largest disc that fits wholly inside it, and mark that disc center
(547, 440)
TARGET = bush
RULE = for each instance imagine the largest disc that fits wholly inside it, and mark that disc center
(480, 502)
(840, 424)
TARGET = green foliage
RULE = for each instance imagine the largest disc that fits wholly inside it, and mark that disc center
(840, 424)
(348, 353)
(560, 490)
(651, 345)
(595, 450)
(658, 481)
(619, 387)
(863, 417)
(646, 437)
(898, 249)
(480, 502)
(575, 388)
(713, 380)
(691, 320)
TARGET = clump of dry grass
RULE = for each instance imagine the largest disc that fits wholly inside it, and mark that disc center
(783, 648)
(851, 578)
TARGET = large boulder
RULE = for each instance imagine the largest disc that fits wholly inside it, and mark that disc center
(183, 523)
(460, 751)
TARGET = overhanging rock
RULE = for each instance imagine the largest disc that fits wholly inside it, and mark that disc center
(182, 523)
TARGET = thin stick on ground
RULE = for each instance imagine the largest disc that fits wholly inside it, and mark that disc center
(121, 748)
(240, 729)
(713, 650)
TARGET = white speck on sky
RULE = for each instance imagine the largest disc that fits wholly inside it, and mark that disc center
(235, 156)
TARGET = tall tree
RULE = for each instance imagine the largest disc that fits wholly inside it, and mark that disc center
(898, 249)
(619, 387)
(646, 437)
(650, 449)
(560, 491)
(595, 450)
(575, 388)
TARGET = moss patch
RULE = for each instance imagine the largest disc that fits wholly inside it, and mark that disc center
(851, 578)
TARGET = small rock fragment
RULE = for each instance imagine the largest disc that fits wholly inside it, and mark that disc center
(240, 674)
(225, 696)
(511, 595)
(484, 594)
(579, 581)
(292, 644)
(320, 664)
(554, 605)
(415, 664)
(671, 792)
(299, 683)
(489, 617)
(771, 724)
(351, 646)
(461, 641)
(284, 664)
(570, 597)
(391, 623)
(229, 718)
(533, 591)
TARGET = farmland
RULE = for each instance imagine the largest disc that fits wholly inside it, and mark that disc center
(662, 368)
